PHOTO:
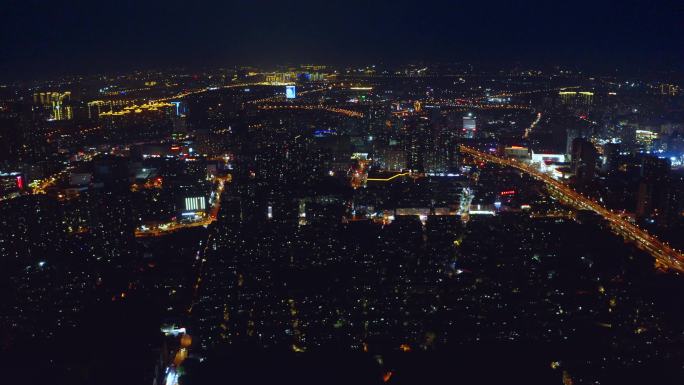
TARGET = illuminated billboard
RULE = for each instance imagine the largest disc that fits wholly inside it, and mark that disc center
(290, 92)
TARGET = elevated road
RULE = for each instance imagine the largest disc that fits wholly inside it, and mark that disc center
(665, 256)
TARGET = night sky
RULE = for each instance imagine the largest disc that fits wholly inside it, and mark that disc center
(44, 38)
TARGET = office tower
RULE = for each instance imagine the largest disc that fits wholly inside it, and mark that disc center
(654, 174)
(585, 98)
(57, 103)
(584, 158)
(659, 194)
(571, 135)
(574, 98)
(611, 155)
(646, 139)
(469, 126)
(417, 143)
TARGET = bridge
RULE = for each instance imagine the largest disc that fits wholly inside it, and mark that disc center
(342, 111)
(665, 256)
(202, 90)
(197, 91)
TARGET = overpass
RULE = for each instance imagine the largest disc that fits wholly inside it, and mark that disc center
(665, 256)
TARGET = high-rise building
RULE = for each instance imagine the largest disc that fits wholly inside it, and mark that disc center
(418, 142)
(571, 135)
(611, 155)
(469, 126)
(11, 184)
(56, 103)
(657, 196)
(654, 168)
(585, 98)
(574, 98)
(584, 158)
(10, 135)
(646, 139)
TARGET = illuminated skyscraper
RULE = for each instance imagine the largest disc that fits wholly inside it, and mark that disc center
(469, 126)
(583, 98)
(55, 102)
(586, 98)
(416, 144)
(646, 138)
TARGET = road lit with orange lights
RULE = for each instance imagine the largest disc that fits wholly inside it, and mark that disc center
(175, 226)
(529, 129)
(665, 256)
(41, 186)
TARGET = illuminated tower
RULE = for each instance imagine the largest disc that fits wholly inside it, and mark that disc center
(582, 98)
(567, 97)
(586, 98)
(416, 144)
(469, 126)
(56, 103)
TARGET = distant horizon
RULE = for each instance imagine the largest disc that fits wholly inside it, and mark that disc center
(85, 37)
(660, 73)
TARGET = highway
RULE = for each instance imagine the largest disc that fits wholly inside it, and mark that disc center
(529, 129)
(665, 256)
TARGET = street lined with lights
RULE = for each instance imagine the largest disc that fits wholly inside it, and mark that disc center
(665, 256)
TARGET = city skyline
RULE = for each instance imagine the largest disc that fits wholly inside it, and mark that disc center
(380, 193)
